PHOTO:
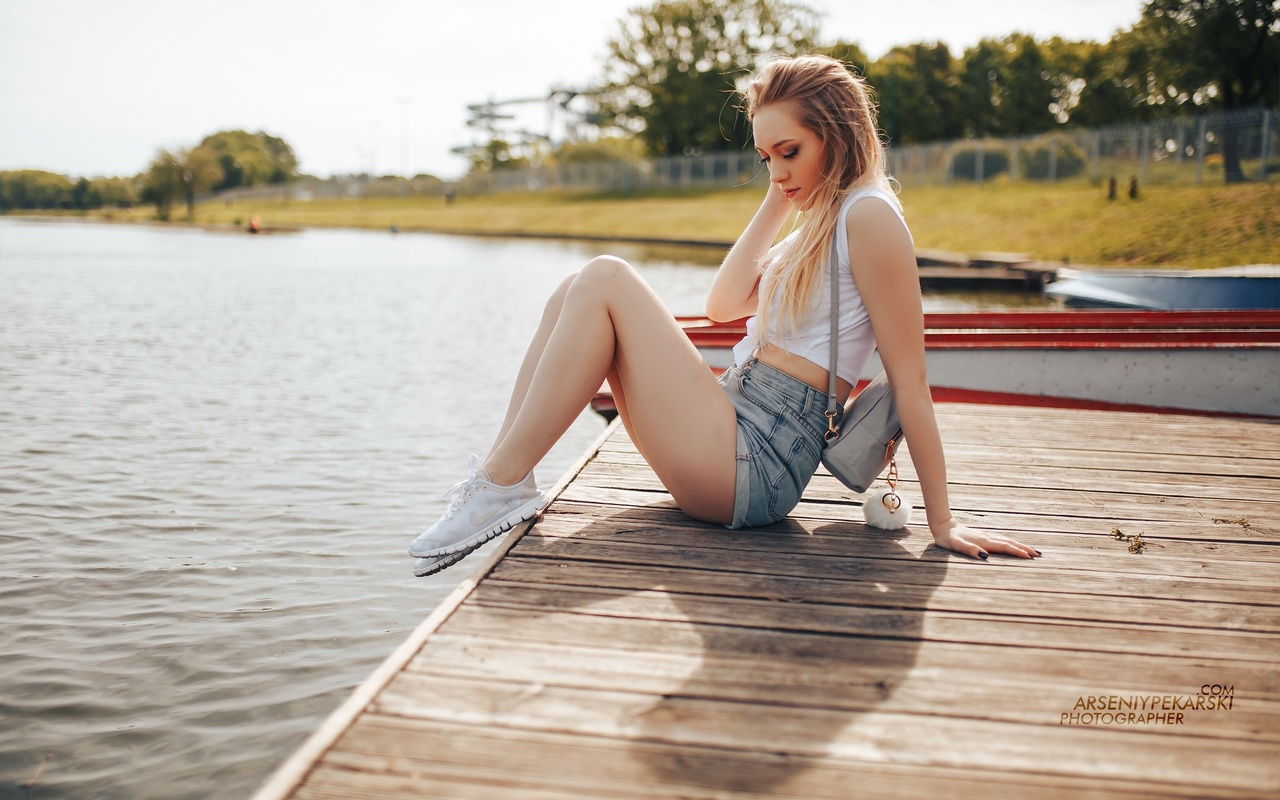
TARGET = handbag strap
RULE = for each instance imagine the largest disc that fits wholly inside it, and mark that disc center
(833, 432)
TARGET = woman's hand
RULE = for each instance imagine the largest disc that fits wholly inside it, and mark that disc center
(775, 198)
(973, 542)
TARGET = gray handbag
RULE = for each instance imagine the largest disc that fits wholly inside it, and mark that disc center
(868, 433)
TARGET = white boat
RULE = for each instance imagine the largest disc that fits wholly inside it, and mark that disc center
(1252, 287)
(1206, 362)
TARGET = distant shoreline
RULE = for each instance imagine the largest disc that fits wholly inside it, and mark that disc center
(1169, 226)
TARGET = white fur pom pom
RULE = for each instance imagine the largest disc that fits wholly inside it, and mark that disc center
(890, 516)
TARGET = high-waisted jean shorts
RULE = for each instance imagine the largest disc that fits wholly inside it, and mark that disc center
(781, 422)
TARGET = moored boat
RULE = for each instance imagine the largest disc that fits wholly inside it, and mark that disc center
(1212, 362)
(1251, 287)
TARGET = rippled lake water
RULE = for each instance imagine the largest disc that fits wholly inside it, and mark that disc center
(214, 449)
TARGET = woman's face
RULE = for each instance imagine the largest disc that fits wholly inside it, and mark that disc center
(792, 152)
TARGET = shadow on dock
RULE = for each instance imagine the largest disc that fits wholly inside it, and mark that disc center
(765, 652)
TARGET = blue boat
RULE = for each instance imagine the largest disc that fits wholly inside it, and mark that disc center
(1251, 287)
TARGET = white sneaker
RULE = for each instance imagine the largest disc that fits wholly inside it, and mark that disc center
(479, 510)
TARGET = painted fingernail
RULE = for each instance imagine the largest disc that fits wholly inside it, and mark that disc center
(1038, 552)
(982, 555)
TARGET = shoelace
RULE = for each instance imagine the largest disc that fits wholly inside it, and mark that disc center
(459, 493)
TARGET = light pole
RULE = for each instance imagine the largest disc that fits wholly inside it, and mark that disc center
(404, 142)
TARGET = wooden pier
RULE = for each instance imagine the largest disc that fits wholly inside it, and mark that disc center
(618, 649)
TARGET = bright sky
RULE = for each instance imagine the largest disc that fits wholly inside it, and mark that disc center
(94, 88)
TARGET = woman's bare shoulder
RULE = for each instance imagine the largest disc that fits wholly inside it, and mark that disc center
(873, 222)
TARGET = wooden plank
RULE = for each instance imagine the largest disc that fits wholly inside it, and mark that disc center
(1110, 431)
(1208, 546)
(838, 508)
(965, 452)
(1251, 614)
(963, 460)
(1028, 476)
(1143, 755)
(1024, 476)
(1088, 551)
(1087, 492)
(1079, 457)
(810, 664)
(581, 766)
(936, 625)
(1006, 687)
(358, 777)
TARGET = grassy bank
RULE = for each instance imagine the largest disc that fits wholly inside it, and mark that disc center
(1191, 226)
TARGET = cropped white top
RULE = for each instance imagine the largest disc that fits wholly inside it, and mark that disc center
(812, 336)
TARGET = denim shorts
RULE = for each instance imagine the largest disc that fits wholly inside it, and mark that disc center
(781, 422)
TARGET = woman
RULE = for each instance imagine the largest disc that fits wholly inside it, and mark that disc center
(738, 451)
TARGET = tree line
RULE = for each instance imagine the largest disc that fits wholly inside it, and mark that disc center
(222, 160)
(673, 68)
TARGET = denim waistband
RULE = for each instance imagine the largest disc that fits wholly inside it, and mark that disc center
(804, 398)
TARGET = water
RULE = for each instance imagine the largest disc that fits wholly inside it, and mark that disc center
(214, 449)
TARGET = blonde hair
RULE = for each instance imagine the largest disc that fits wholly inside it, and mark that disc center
(836, 105)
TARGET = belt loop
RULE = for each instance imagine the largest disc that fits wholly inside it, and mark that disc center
(809, 396)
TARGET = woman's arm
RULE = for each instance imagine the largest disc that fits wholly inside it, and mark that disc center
(884, 269)
(733, 292)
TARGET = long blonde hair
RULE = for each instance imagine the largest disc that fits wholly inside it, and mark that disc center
(836, 105)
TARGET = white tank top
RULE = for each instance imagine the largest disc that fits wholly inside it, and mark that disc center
(812, 337)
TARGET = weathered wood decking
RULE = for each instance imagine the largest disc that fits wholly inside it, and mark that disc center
(618, 649)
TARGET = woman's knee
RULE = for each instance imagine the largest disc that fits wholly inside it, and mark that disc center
(603, 271)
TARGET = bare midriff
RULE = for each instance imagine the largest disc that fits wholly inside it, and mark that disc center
(802, 369)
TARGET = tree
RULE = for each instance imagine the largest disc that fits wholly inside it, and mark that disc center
(1216, 53)
(919, 93)
(1026, 91)
(115, 192)
(1007, 88)
(200, 173)
(162, 182)
(1088, 90)
(672, 68)
(35, 188)
(848, 52)
(981, 76)
(250, 159)
(496, 155)
(182, 174)
(599, 151)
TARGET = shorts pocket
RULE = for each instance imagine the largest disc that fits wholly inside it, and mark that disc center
(791, 476)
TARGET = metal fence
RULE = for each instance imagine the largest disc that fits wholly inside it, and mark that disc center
(1183, 150)
(721, 169)
(337, 187)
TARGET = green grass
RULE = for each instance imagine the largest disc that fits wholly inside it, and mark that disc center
(1188, 226)
(1168, 225)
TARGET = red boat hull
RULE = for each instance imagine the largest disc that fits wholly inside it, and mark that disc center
(1207, 362)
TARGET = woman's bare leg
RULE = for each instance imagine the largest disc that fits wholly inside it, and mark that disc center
(611, 324)
(550, 314)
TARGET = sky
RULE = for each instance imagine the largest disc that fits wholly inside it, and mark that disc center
(92, 88)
